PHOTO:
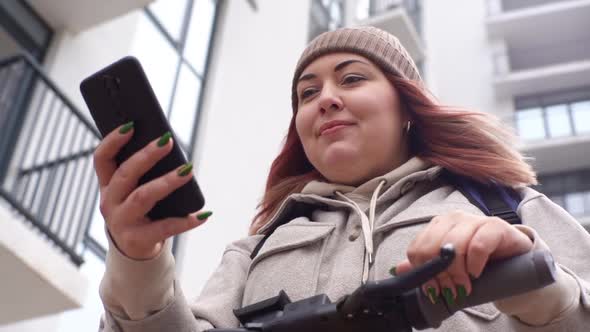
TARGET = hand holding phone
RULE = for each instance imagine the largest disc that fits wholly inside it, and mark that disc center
(124, 205)
(138, 177)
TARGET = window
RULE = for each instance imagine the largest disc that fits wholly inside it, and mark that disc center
(558, 121)
(529, 123)
(553, 115)
(570, 190)
(581, 117)
(170, 14)
(172, 43)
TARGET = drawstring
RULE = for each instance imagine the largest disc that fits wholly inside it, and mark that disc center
(366, 225)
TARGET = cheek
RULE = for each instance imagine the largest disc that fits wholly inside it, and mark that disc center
(385, 121)
(303, 124)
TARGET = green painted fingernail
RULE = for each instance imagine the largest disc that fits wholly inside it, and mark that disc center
(124, 129)
(461, 293)
(432, 294)
(204, 215)
(393, 271)
(448, 296)
(185, 169)
(164, 139)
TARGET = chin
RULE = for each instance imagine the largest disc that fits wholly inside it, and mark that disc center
(340, 153)
(338, 165)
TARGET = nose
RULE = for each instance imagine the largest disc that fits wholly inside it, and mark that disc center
(329, 100)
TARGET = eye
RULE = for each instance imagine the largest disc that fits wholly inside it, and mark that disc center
(307, 93)
(352, 79)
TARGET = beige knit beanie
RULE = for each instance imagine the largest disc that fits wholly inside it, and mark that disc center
(377, 45)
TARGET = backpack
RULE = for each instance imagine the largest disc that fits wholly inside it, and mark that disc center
(492, 199)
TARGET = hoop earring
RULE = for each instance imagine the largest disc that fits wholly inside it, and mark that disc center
(408, 126)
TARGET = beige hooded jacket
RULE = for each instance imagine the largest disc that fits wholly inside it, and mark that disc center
(330, 252)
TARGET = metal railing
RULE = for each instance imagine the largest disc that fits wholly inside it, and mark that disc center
(46, 147)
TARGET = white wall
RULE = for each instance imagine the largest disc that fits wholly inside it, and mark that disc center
(246, 116)
(459, 64)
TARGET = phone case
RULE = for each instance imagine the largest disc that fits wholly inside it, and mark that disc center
(120, 93)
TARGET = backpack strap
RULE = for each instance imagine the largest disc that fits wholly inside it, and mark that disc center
(293, 210)
(492, 199)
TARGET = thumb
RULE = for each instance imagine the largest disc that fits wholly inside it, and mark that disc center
(401, 268)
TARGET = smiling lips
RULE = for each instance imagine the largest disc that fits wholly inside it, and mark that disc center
(332, 126)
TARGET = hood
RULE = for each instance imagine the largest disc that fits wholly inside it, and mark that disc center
(357, 199)
(326, 189)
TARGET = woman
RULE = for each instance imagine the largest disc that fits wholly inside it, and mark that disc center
(357, 187)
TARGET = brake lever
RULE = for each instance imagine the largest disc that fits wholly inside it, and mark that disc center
(373, 294)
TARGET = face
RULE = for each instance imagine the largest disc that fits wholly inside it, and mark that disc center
(349, 119)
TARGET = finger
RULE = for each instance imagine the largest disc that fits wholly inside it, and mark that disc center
(104, 154)
(401, 268)
(514, 242)
(427, 244)
(161, 230)
(484, 242)
(460, 236)
(432, 290)
(145, 197)
(128, 174)
(447, 287)
(463, 287)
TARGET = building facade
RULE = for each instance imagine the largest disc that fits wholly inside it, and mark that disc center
(222, 72)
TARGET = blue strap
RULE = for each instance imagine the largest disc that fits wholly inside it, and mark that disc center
(491, 199)
(509, 199)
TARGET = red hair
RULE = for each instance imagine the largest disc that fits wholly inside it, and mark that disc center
(469, 143)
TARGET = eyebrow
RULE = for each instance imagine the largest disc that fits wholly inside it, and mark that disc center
(338, 67)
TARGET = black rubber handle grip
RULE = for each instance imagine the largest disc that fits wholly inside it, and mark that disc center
(500, 279)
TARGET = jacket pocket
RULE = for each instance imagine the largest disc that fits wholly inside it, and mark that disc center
(289, 260)
(393, 242)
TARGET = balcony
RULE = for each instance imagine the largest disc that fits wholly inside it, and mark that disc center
(547, 66)
(520, 22)
(47, 193)
(78, 15)
(402, 18)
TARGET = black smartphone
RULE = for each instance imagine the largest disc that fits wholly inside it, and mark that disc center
(120, 93)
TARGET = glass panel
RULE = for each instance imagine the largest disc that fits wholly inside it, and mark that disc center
(558, 121)
(581, 116)
(199, 33)
(184, 109)
(530, 124)
(158, 58)
(170, 13)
